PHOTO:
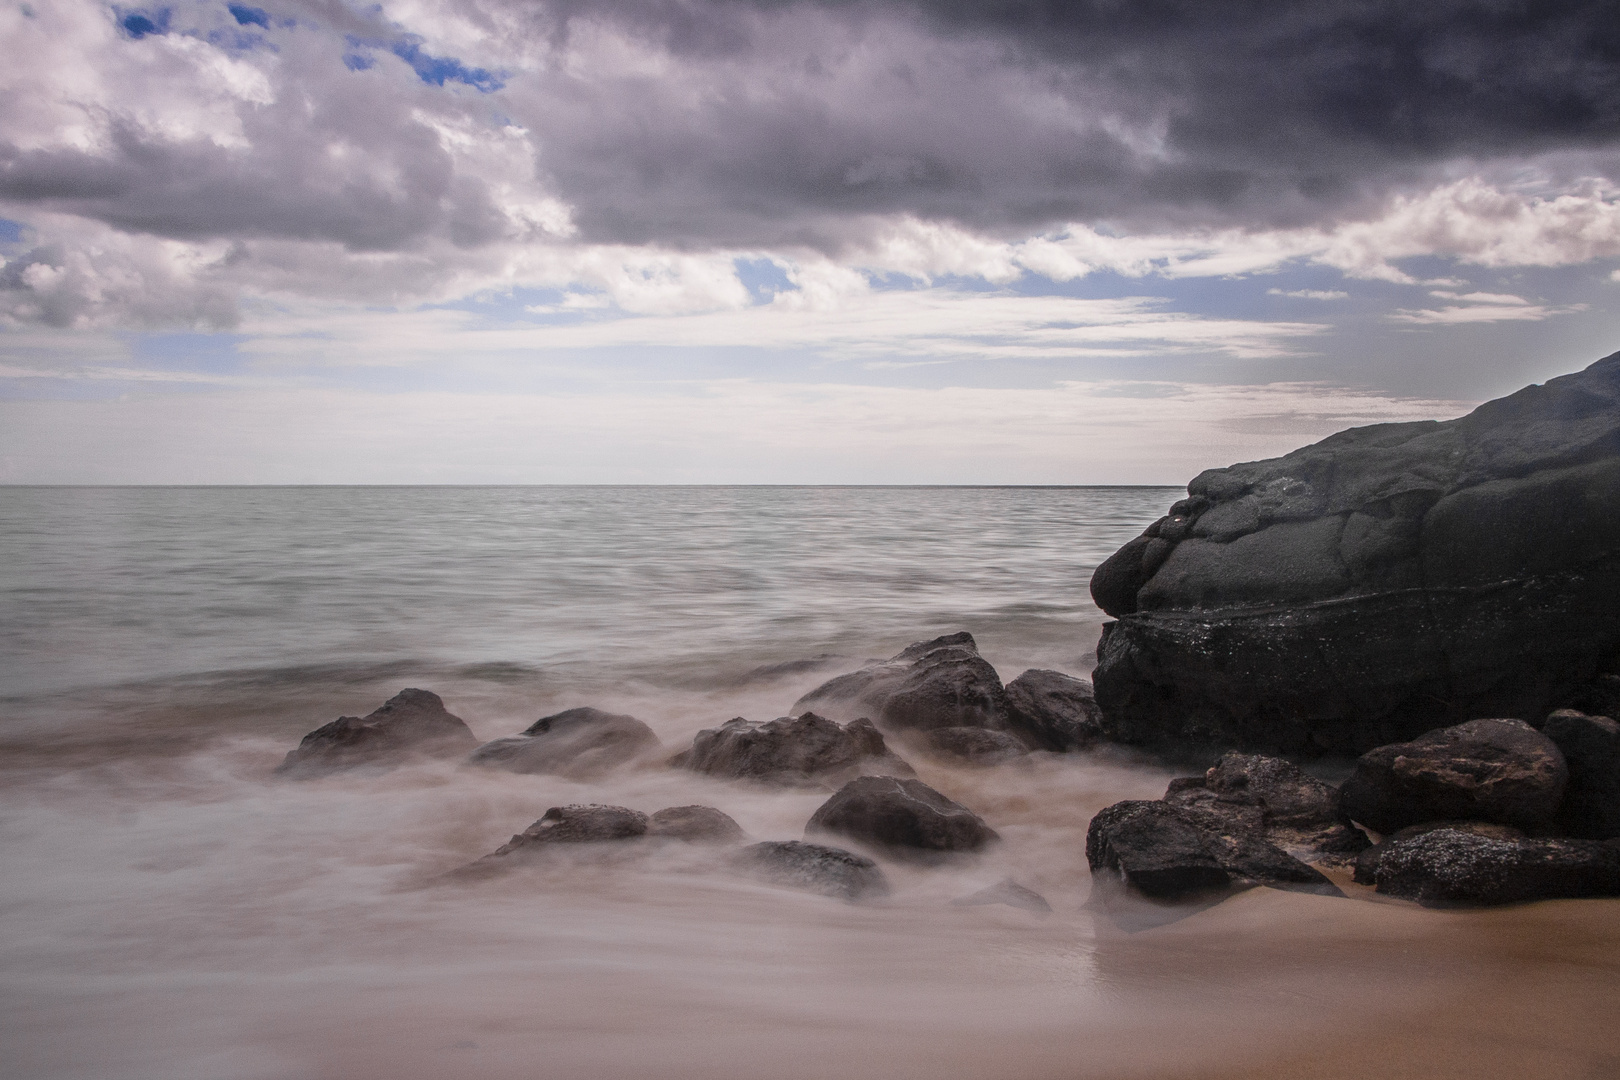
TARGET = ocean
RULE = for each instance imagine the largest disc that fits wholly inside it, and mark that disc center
(173, 910)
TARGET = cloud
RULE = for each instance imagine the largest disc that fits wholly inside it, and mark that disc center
(726, 431)
(1309, 294)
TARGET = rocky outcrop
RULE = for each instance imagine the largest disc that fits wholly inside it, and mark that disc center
(1384, 582)
(1591, 748)
(697, 825)
(902, 818)
(807, 750)
(412, 723)
(1452, 868)
(1054, 711)
(577, 743)
(930, 684)
(816, 868)
(1501, 771)
(1275, 799)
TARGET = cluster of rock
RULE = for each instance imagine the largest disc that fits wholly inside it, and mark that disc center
(1481, 813)
(1384, 582)
(895, 817)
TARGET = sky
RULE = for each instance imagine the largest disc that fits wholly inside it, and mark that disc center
(764, 241)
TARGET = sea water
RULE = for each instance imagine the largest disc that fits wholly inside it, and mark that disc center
(170, 909)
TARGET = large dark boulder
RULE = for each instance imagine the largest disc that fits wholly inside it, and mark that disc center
(1379, 584)
(1154, 848)
(900, 817)
(1272, 796)
(1591, 748)
(577, 742)
(939, 683)
(1366, 867)
(1485, 770)
(807, 750)
(1054, 711)
(1451, 868)
(412, 723)
(815, 868)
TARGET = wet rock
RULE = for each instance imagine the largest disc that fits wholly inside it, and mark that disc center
(696, 824)
(1294, 810)
(1154, 848)
(1591, 748)
(1366, 871)
(1248, 856)
(577, 742)
(1054, 711)
(412, 723)
(1009, 892)
(902, 817)
(576, 824)
(1451, 868)
(977, 746)
(930, 684)
(792, 750)
(813, 868)
(1384, 582)
(1484, 770)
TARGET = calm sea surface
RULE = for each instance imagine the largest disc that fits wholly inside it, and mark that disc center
(171, 910)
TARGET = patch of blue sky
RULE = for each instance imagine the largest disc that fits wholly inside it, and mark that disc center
(138, 23)
(249, 16)
(437, 70)
(355, 61)
(188, 352)
(763, 278)
(11, 232)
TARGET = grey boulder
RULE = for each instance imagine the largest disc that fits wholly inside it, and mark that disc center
(815, 868)
(579, 824)
(1009, 892)
(1484, 770)
(412, 723)
(1154, 848)
(1366, 868)
(901, 817)
(696, 824)
(581, 742)
(1293, 810)
(1591, 748)
(807, 750)
(1451, 868)
(1384, 582)
(943, 682)
(974, 746)
(1054, 711)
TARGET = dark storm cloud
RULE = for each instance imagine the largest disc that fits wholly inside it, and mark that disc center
(767, 123)
(1264, 113)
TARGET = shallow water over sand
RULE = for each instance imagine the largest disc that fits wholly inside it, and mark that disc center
(171, 910)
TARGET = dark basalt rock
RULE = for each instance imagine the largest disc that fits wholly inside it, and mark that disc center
(578, 742)
(696, 824)
(1054, 711)
(792, 750)
(1591, 748)
(1485, 770)
(905, 818)
(1366, 872)
(1165, 850)
(1451, 868)
(815, 868)
(976, 746)
(411, 723)
(930, 684)
(577, 824)
(1009, 892)
(1294, 811)
(1384, 582)
(1154, 848)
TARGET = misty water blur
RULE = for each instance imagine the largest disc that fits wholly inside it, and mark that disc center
(172, 910)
